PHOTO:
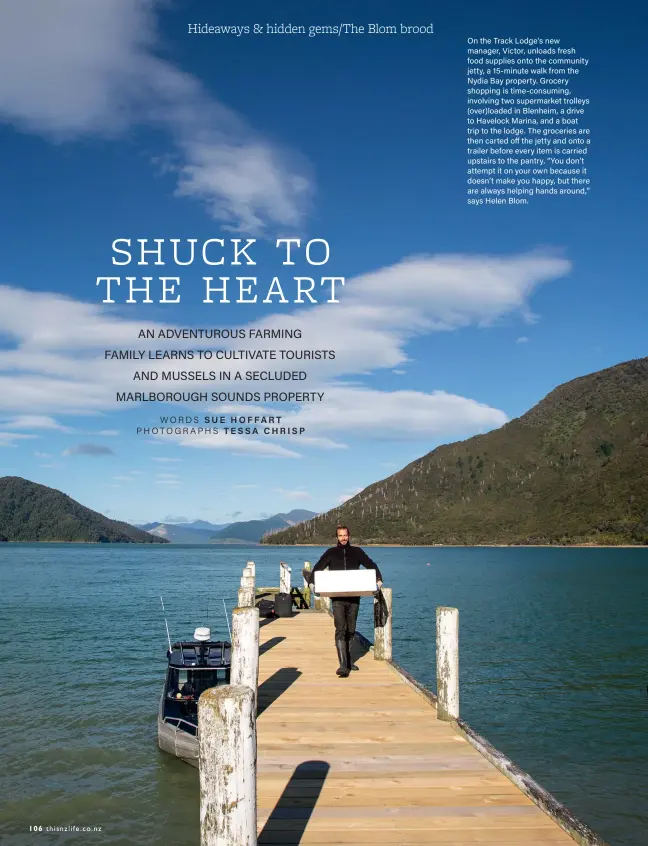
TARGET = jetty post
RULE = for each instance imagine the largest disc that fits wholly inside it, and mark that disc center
(447, 663)
(245, 648)
(284, 578)
(383, 634)
(247, 590)
(250, 565)
(307, 587)
(228, 766)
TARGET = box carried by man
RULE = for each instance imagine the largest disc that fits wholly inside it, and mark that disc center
(345, 583)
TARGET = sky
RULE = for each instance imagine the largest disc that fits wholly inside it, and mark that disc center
(115, 122)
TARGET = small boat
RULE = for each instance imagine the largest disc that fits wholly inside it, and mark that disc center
(193, 667)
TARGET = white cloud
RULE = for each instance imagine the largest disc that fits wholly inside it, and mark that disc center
(35, 421)
(298, 494)
(57, 362)
(402, 415)
(88, 449)
(75, 68)
(237, 444)
(165, 460)
(8, 438)
(109, 433)
(167, 476)
(123, 478)
(522, 340)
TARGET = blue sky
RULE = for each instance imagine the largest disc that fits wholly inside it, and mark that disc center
(116, 123)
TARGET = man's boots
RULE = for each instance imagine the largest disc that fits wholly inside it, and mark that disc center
(343, 669)
(350, 664)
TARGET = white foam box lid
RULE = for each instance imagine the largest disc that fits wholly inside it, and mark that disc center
(345, 582)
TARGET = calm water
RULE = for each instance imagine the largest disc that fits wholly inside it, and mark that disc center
(554, 672)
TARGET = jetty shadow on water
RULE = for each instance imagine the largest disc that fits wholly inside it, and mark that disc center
(267, 646)
(271, 689)
(289, 817)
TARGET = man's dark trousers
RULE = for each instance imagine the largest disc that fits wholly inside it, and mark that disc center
(345, 615)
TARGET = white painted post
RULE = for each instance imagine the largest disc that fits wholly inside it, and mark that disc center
(228, 768)
(307, 587)
(250, 565)
(245, 648)
(284, 578)
(246, 597)
(247, 593)
(447, 663)
(383, 634)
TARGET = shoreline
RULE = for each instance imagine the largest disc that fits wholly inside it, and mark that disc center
(480, 545)
(371, 545)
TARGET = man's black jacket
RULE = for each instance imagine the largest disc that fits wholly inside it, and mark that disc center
(346, 558)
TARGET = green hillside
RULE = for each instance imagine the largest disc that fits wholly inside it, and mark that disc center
(32, 512)
(573, 469)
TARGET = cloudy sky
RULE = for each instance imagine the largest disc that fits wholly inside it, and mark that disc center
(117, 123)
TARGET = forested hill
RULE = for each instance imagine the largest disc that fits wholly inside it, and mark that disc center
(33, 512)
(573, 469)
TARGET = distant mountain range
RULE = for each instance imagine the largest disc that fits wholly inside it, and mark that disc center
(196, 531)
(245, 531)
(192, 524)
(573, 469)
(33, 512)
(251, 531)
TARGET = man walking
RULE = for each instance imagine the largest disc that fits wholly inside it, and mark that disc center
(343, 556)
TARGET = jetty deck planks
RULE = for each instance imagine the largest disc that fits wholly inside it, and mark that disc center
(364, 759)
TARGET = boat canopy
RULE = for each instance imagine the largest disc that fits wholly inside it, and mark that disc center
(197, 655)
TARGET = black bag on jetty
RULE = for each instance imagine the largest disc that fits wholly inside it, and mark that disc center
(381, 612)
(283, 605)
(266, 608)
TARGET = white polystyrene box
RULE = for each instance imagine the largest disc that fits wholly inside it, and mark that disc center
(345, 582)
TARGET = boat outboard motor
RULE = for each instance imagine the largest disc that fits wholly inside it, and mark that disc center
(202, 635)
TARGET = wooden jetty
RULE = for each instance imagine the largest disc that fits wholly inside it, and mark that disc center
(366, 759)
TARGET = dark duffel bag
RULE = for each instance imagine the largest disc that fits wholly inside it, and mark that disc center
(283, 605)
(266, 608)
(381, 612)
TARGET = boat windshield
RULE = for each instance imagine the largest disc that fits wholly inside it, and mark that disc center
(190, 683)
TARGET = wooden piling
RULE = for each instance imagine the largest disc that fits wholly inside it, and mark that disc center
(383, 634)
(447, 663)
(284, 578)
(246, 597)
(228, 771)
(245, 648)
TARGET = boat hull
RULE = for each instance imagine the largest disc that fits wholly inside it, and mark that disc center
(177, 742)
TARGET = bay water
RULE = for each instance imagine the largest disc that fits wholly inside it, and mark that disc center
(553, 668)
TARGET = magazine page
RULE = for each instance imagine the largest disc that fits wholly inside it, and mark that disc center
(323, 423)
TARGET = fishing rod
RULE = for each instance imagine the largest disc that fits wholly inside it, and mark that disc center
(227, 620)
(165, 623)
